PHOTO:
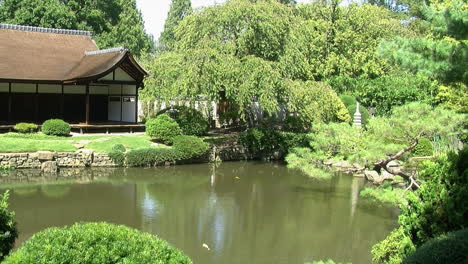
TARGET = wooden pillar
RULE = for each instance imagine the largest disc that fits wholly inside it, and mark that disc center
(87, 104)
(136, 103)
(62, 105)
(9, 103)
(36, 103)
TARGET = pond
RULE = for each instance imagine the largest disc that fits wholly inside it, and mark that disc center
(245, 212)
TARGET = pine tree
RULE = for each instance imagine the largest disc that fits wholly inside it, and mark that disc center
(178, 11)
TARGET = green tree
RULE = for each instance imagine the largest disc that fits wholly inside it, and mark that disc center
(442, 55)
(331, 40)
(8, 230)
(178, 11)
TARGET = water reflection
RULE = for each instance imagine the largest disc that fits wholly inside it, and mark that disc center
(245, 212)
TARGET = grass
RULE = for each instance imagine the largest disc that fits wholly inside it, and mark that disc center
(14, 142)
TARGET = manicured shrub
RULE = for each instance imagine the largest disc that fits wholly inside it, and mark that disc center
(25, 128)
(446, 249)
(101, 243)
(364, 113)
(118, 157)
(55, 127)
(147, 157)
(8, 231)
(118, 148)
(190, 120)
(424, 148)
(190, 146)
(163, 129)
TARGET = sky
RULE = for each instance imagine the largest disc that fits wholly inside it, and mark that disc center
(155, 12)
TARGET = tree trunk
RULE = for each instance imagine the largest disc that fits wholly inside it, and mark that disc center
(412, 184)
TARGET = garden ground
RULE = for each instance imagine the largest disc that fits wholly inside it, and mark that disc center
(14, 142)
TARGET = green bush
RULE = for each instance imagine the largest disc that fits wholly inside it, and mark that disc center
(265, 142)
(118, 157)
(56, 127)
(148, 157)
(8, 231)
(364, 113)
(190, 146)
(446, 249)
(118, 148)
(423, 149)
(163, 129)
(436, 208)
(101, 243)
(393, 249)
(25, 128)
(190, 120)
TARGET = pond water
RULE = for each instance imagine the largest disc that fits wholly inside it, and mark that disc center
(246, 212)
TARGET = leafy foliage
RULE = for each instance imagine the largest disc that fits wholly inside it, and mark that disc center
(424, 148)
(163, 128)
(387, 91)
(190, 146)
(386, 194)
(25, 128)
(438, 207)
(191, 121)
(446, 249)
(441, 199)
(96, 243)
(118, 148)
(393, 249)
(178, 11)
(443, 55)
(56, 127)
(264, 142)
(330, 40)
(8, 230)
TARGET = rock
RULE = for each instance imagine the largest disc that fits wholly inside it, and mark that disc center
(45, 155)
(371, 175)
(394, 163)
(49, 167)
(385, 174)
(78, 145)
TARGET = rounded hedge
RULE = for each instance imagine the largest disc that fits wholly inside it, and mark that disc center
(348, 100)
(424, 148)
(101, 243)
(119, 148)
(55, 127)
(448, 249)
(191, 121)
(190, 146)
(163, 128)
(25, 128)
(8, 231)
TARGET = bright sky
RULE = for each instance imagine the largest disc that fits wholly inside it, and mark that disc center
(155, 12)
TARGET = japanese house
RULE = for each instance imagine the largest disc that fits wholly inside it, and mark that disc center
(57, 73)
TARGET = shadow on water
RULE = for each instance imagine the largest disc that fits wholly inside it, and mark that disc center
(246, 212)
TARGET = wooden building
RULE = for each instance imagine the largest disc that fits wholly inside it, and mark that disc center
(56, 73)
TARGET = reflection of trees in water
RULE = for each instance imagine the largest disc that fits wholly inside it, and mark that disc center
(55, 191)
(253, 211)
(26, 191)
